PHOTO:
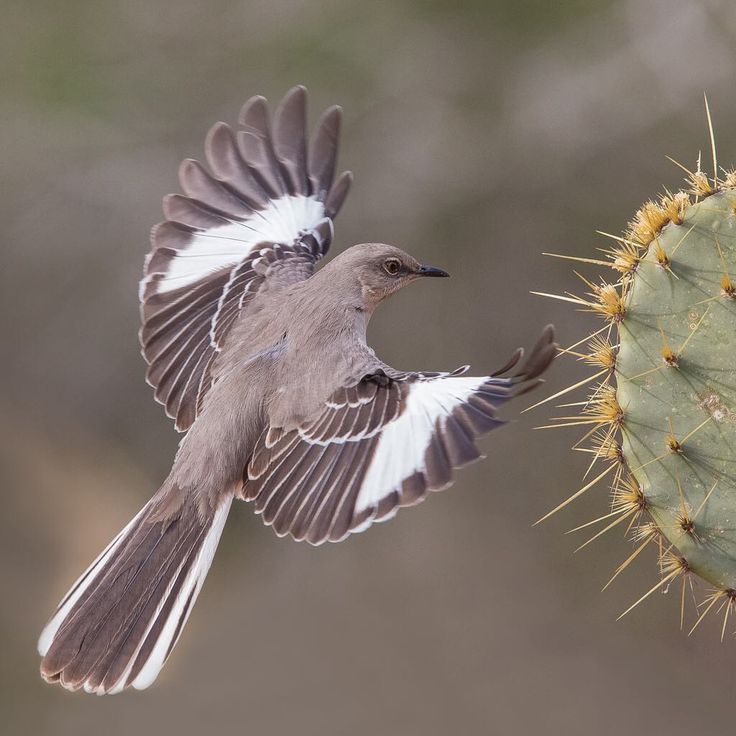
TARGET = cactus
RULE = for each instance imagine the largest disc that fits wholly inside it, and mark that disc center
(661, 418)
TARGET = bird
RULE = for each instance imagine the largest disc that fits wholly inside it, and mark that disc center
(261, 359)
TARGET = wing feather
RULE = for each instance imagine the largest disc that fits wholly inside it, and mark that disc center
(378, 445)
(290, 142)
(262, 213)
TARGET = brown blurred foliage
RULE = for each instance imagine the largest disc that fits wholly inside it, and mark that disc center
(481, 133)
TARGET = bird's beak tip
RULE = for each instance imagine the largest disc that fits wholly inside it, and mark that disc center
(425, 270)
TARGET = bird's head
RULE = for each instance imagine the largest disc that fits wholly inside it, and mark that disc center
(382, 270)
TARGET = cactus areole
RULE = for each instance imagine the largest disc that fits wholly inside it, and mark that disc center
(661, 416)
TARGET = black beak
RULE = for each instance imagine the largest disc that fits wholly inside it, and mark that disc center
(432, 271)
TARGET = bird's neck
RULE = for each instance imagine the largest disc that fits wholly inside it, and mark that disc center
(338, 302)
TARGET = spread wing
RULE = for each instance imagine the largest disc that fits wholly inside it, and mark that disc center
(263, 214)
(381, 444)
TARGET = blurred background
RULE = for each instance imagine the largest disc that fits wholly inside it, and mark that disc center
(481, 133)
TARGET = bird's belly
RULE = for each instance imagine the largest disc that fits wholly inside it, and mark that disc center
(215, 452)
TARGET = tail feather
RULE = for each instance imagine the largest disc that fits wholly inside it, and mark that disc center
(119, 622)
(82, 582)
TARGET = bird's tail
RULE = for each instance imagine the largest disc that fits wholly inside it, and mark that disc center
(121, 619)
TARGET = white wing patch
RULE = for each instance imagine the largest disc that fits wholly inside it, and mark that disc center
(403, 442)
(221, 247)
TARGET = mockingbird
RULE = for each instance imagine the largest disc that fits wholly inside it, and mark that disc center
(262, 360)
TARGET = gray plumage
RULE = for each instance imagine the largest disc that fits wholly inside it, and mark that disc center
(262, 359)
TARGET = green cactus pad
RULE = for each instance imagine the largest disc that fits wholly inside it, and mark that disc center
(662, 411)
(676, 385)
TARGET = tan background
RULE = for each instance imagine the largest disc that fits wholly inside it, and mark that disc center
(481, 134)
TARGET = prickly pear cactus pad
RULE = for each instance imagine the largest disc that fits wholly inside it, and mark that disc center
(660, 421)
(676, 385)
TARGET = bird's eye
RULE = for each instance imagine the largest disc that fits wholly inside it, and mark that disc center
(391, 266)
